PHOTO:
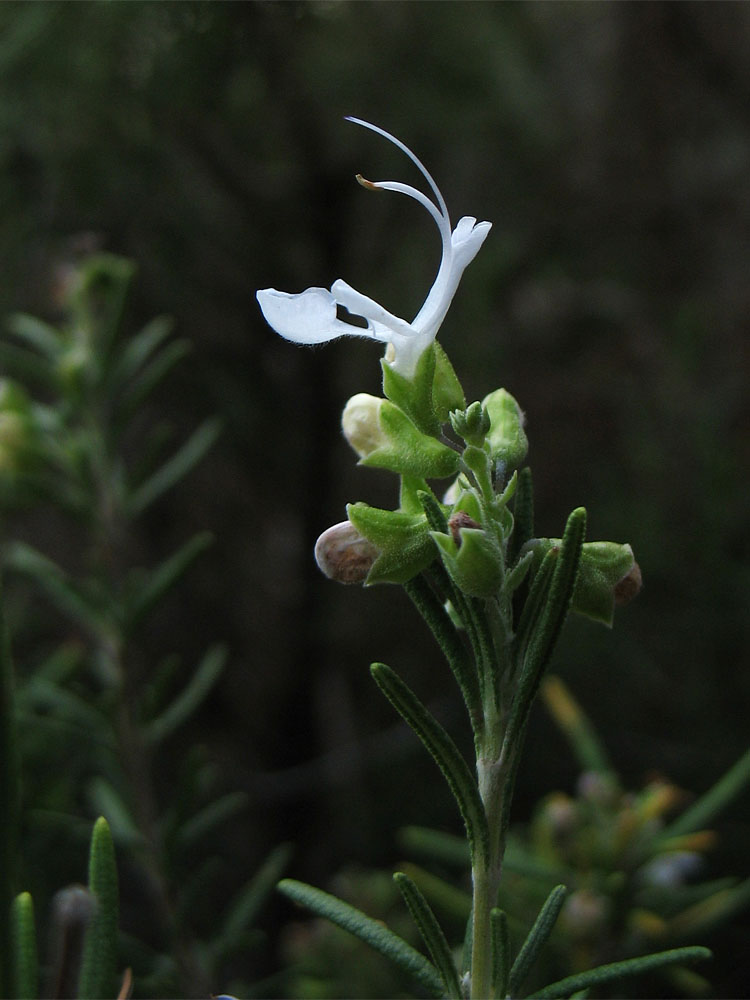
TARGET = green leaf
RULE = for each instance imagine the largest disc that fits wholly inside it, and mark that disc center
(433, 511)
(444, 847)
(175, 468)
(523, 513)
(247, 904)
(534, 604)
(138, 349)
(541, 623)
(207, 819)
(133, 395)
(578, 729)
(146, 594)
(443, 750)
(711, 912)
(500, 951)
(26, 964)
(108, 801)
(43, 696)
(552, 616)
(706, 808)
(99, 964)
(439, 622)
(60, 588)
(41, 336)
(25, 365)
(192, 696)
(442, 895)
(371, 931)
(537, 938)
(616, 970)
(431, 932)
(516, 576)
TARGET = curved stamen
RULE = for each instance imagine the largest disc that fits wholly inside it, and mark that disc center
(443, 208)
(442, 222)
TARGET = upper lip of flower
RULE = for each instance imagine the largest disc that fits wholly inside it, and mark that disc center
(310, 316)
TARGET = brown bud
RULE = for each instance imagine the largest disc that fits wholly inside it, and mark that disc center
(344, 555)
(460, 520)
(628, 588)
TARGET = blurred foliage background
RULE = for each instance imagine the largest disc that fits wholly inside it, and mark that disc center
(609, 144)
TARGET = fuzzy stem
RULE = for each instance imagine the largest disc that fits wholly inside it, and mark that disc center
(486, 879)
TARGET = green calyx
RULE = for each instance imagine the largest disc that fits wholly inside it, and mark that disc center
(472, 558)
(506, 439)
(404, 449)
(430, 394)
(605, 568)
(401, 537)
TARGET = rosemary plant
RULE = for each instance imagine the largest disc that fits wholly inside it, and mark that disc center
(74, 449)
(494, 595)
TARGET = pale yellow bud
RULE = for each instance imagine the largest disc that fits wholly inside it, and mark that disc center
(344, 555)
(360, 423)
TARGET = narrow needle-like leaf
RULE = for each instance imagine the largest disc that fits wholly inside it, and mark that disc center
(26, 967)
(616, 970)
(500, 952)
(537, 938)
(176, 467)
(444, 751)
(371, 931)
(99, 965)
(448, 639)
(706, 808)
(431, 932)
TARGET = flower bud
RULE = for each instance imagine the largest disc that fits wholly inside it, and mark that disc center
(585, 914)
(472, 424)
(344, 555)
(360, 423)
(608, 575)
(506, 437)
(629, 586)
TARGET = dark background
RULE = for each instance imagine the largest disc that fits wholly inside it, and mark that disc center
(609, 144)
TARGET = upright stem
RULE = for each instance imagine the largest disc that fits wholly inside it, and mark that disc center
(486, 877)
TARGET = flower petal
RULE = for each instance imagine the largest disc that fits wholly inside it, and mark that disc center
(466, 239)
(308, 317)
(362, 305)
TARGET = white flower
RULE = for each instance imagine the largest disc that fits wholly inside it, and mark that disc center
(310, 316)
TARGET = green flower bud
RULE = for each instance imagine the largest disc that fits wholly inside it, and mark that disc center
(472, 424)
(344, 555)
(471, 556)
(608, 574)
(506, 438)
